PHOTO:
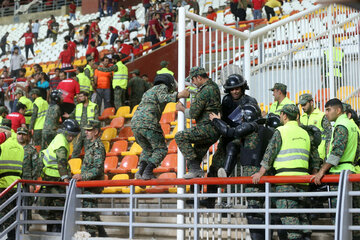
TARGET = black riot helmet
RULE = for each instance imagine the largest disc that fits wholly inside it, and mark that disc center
(71, 127)
(234, 81)
(167, 79)
(273, 121)
(55, 96)
(245, 113)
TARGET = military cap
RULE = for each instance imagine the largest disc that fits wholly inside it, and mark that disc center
(3, 109)
(304, 98)
(35, 91)
(290, 109)
(279, 86)
(164, 63)
(135, 71)
(346, 107)
(6, 124)
(195, 71)
(19, 91)
(92, 124)
(89, 58)
(22, 130)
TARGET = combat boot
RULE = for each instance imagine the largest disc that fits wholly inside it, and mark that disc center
(102, 232)
(194, 171)
(139, 173)
(230, 163)
(148, 172)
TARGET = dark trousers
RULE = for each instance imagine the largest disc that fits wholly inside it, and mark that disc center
(3, 49)
(66, 108)
(15, 73)
(154, 40)
(113, 37)
(27, 47)
(269, 12)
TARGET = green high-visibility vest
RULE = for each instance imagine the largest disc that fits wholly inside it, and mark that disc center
(42, 108)
(29, 107)
(293, 158)
(120, 78)
(276, 107)
(11, 160)
(338, 55)
(348, 158)
(49, 159)
(164, 70)
(84, 82)
(91, 70)
(90, 111)
(315, 119)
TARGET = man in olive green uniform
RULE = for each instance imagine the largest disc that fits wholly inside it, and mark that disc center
(92, 168)
(146, 127)
(37, 121)
(164, 69)
(29, 163)
(20, 95)
(313, 116)
(53, 166)
(344, 150)
(11, 162)
(290, 153)
(52, 119)
(84, 111)
(204, 134)
(279, 92)
(138, 86)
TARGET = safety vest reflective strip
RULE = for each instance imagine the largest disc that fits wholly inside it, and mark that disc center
(348, 158)
(84, 82)
(293, 158)
(11, 160)
(164, 70)
(49, 158)
(276, 107)
(337, 59)
(29, 107)
(42, 108)
(315, 119)
(90, 111)
(91, 75)
(120, 78)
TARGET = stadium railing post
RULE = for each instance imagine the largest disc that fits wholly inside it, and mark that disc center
(346, 203)
(70, 215)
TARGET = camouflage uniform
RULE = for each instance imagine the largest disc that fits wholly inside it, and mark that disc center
(80, 141)
(204, 134)
(92, 168)
(37, 133)
(138, 87)
(52, 123)
(145, 123)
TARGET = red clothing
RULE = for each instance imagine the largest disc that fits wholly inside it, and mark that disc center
(168, 15)
(132, 13)
(49, 23)
(126, 49)
(94, 28)
(72, 48)
(69, 88)
(21, 80)
(72, 8)
(137, 49)
(124, 34)
(16, 120)
(65, 58)
(2, 137)
(212, 16)
(122, 13)
(169, 31)
(257, 4)
(94, 50)
(154, 22)
(28, 38)
(113, 30)
(146, 1)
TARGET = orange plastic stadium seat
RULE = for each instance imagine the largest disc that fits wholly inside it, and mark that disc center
(124, 134)
(130, 115)
(75, 165)
(213, 146)
(117, 148)
(162, 188)
(134, 150)
(110, 163)
(106, 145)
(107, 113)
(121, 112)
(108, 134)
(172, 135)
(115, 123)
(165, 128)
(127, 165)
(169, 164)
(168, 117)
(117, 189)
(172, 148)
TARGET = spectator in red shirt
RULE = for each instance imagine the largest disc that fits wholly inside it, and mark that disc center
(211, 14)
(124, 34)
(49, 32)
(94, 28)
(123, 48)
(92, 51)
(114, 34)
(154, 29)
(168, 14)
(72, 10)
(169, 29)
(28, 43)
(17, 118)
(137, 46)
(69, 88)
(132, 12)
(123, 15)
(65, 59)
(71, 47)
(257, 8)
(54, 82)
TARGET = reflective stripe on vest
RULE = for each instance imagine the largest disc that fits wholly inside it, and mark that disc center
(164, 70)
(293, 158)
(84, 82)
(121, 76)
(338, 55)
(348, 158)
(29, 108)
(91, 75)
(11, 161)
(49, 157)
(276, 107)
(315, 119)
(90, 111)
(42, 108)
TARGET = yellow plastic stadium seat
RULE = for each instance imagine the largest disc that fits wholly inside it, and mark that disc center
(172, 135)
(71, 148)
(130, 115)
(138, 189)
(345, 91)
(134, 150)
(116, 189)
(75, 165)
(121, 112)
(106, 145)
(206, 165)
(78, 62)
(170, 107)
(108, 134)
(174, 189)
(53, 44)
(285, 16)
(273, 19)
(38, 51)
(298, 94)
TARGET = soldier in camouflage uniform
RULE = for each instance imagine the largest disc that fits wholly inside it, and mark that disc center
(146, 127)
(204, 134)
(306, 162)
(344, 151)
(52, 119)
(138, 86)
(92, 168)
(29, 163)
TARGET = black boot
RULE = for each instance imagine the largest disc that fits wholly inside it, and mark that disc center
(148, 172)
(102, 232)
(230, 163)
(139, 173)
(11, 235)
